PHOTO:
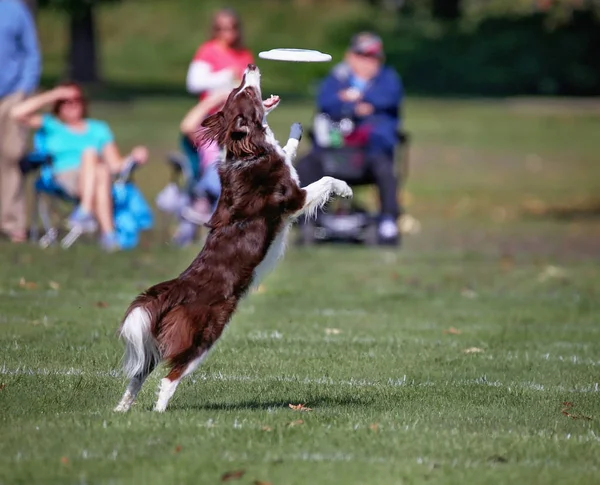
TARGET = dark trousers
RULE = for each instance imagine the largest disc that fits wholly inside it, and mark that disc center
(379, 169)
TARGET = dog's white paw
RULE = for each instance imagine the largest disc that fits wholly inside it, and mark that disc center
(342, 189)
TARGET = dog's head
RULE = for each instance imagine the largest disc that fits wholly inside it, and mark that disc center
(240, 125)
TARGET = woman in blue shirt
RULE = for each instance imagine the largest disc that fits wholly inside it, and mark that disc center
(84, 155)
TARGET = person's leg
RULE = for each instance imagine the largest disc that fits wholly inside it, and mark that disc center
(88, 179)
(208, 188)
(211, 184)
(13, 139)
(81, 183)
(103, 207)
(208, 153)
(309, 168)
(381, 166)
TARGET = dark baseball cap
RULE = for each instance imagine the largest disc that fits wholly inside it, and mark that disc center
(367, 44)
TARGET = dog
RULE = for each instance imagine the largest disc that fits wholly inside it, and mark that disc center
(178, 321)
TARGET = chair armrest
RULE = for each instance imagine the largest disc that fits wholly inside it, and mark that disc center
(126, 172)
(34, 161)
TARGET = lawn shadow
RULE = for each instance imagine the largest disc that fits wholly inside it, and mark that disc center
(266, 404)
(589, 209)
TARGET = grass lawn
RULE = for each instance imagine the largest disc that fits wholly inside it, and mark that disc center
(445, 362)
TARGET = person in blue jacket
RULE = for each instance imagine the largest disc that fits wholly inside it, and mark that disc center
(20, 66)
(365, 90)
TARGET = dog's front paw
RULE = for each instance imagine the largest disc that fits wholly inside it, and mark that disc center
(342, 189)
(296, 131)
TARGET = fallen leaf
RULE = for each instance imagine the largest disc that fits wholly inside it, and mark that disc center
(235, 475)
(552, 272)
(299, 407)
(453, 331)
(507, 262)
(260, 289)
(472, 350)
(101, 304)
(296, 423)
(468, 293)
(409, 225)
(54, 285)
(569, 405)
(64, 460)
(177, 448)
(374, 427)
(332, 331)
(267, 428)
(499, 214)
(260, 482)
(25, 259)
(28, 285)
(2, 386)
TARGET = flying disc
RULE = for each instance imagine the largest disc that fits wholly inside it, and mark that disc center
(295, 55)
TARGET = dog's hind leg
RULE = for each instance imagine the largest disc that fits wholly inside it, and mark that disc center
(169, 384)
(135, 384)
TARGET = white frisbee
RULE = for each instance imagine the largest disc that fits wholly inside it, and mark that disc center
(295, 55)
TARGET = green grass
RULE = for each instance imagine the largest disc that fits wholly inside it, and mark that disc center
(394, 397)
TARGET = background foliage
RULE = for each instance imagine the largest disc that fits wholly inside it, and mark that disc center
(496, 47)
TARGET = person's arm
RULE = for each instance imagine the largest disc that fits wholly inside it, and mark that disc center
(200, 77)
(26, 112)
(30, 73)
(386, 96)
(329, 100)
(191, 122)
(116, 162)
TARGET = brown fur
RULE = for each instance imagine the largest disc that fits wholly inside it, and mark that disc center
(188, 313)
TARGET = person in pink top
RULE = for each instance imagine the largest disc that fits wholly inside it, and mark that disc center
(217, 67)
(220, 62)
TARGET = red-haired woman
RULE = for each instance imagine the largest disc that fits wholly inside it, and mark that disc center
(84, 154)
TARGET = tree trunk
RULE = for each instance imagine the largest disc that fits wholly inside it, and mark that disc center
(446, 9)
(32, 5)
(83, 56)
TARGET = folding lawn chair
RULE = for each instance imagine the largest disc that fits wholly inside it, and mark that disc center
(132, 213)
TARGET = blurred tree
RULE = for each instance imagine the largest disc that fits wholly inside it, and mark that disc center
(32, 4)
(446, 9)
(82, 59)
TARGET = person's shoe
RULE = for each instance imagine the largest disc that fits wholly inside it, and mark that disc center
(83, 220)
(388, 233)
(109, 242)
(184, 234)
(198, 212)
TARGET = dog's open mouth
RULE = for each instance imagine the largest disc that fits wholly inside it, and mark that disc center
(271, 101)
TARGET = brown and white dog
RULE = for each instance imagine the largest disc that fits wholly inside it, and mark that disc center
(178, 321)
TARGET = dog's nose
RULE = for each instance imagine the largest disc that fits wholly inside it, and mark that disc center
(252, 67)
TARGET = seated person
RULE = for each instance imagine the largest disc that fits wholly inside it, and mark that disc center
(84, 155)
(207, 189)
(363, 89)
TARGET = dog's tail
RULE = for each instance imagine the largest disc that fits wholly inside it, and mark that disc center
(141, 348)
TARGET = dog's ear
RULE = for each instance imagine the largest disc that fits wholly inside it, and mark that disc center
(212, 128)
